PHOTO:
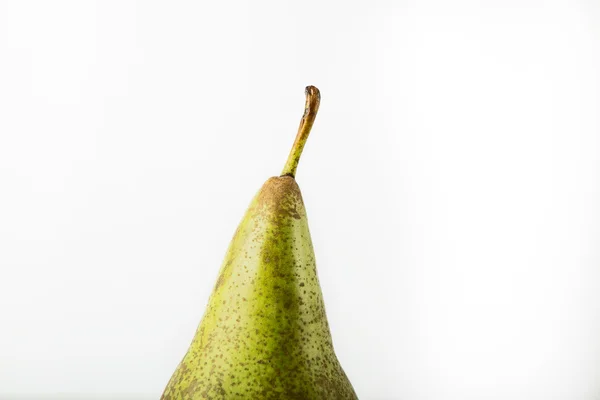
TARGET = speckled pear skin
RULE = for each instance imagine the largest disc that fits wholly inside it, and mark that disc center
(265, 334)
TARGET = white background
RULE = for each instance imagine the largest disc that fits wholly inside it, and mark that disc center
(451, 180)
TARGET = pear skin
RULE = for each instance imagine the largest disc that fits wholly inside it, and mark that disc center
(265, 334)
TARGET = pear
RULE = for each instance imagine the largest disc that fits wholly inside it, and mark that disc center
(264, 334)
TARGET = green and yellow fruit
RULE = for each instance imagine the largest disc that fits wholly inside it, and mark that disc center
(265, 334)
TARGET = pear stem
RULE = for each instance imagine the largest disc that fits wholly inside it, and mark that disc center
(313, 99)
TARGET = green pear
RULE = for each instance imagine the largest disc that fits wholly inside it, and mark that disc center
(264, 334)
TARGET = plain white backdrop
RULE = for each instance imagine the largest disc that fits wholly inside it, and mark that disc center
(452, 182)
